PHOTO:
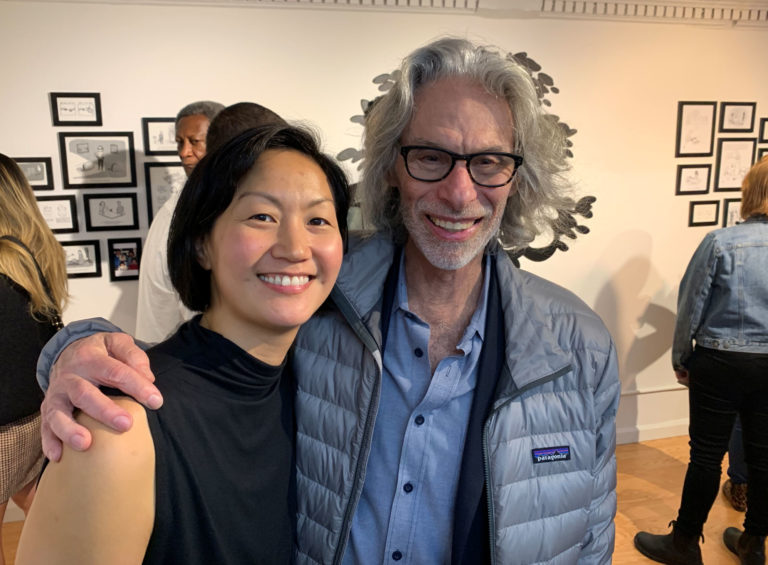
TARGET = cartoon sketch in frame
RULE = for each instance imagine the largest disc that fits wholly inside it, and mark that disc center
(83, 258)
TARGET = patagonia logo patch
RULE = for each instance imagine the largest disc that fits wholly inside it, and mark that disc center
(549, 454)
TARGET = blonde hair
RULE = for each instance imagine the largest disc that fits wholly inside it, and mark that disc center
(20, 217)
(754, 190)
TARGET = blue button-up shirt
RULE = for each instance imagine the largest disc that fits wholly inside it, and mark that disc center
(405, 513)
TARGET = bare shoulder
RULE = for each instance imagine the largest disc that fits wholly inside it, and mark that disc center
(95, 505)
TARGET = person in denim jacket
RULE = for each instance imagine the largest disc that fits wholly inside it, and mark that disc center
(723, 310)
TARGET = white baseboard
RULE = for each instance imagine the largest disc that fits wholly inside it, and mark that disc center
(633, 434)
(13, 513)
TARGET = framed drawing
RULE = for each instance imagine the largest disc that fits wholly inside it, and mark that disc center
(731, 212)
(761, 152)
(97, 159)
(111, 212)
(159, 136)
(737, 117)
(76, 108)
(762, 135)
(695, 129)
(59, 212)
(703, 213)
(734, 159)
(38, 171)
(124, 258)
(693, 179)
(163, 180)
(83, 258)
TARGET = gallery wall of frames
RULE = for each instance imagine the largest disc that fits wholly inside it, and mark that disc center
(99, 166)
(723, 135)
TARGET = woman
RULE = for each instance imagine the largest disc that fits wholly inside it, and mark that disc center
(33, 290)
(256, 244)
(723, 307)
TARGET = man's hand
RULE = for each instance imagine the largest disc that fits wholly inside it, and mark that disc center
(108, 359)
(683, 377)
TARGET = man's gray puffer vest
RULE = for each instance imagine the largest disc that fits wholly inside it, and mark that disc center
(548, 443)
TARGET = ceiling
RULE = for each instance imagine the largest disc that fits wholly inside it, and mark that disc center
(743, 13)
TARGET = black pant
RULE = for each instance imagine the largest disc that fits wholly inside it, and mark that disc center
(724, 384)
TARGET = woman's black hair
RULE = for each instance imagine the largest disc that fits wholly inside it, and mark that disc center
(211, 188)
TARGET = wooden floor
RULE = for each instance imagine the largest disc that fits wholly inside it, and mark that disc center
(650, 480)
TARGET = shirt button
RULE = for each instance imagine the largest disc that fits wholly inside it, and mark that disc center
(419, 420)
(418, 352)
(408, 487)
(397, 556)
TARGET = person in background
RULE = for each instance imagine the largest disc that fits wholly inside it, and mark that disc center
(450, 408)
(256, 244)
(33, 292)
(159, 310)
(722, 306)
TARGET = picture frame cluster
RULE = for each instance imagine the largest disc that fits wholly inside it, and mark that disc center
(91, 158)
(723, 132)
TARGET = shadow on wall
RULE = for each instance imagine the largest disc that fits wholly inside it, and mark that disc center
(640, 323)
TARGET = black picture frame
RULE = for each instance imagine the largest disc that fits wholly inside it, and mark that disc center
(735, 156)
(159, 136)
(737, 117)
(695, 129)
(708, 209)
(124, 258)
(111, 211)
(761, 152)
(59, 212)
(762, 134)
(693, 179)
(162, 180)
(76, 108)
(731, 212)
(37, 170)
(97, 159)
(83, 258)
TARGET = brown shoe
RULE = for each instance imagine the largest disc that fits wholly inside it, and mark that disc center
(736, 494)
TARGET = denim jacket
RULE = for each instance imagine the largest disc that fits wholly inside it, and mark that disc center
(723, 298)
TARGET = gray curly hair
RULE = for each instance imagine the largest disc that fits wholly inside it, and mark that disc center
(207, 108)
(540, 183)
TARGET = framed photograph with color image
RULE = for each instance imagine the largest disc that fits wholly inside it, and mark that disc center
(163, 180)
(159, 136)
(693, 179)
(97, 159)
(731, 212)
(76, 108)
(111, 212)
(695, 129)
(124, 258)
(737, 117)
(704, 213)
(83, 258)
(38, 171)
(735, 157)
(59, 212)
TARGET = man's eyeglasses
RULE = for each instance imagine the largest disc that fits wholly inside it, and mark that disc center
(491, 169)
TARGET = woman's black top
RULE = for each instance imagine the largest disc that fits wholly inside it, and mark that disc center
(224, 450)
(21, 339)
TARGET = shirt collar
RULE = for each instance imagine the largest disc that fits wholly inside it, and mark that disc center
(476, 326)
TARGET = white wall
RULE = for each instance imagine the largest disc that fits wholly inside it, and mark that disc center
(619, 87)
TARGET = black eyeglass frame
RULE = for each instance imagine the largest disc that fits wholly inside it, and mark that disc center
(404, 150)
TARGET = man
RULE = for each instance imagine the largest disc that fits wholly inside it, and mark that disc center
(160, 310)
(449, 407)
